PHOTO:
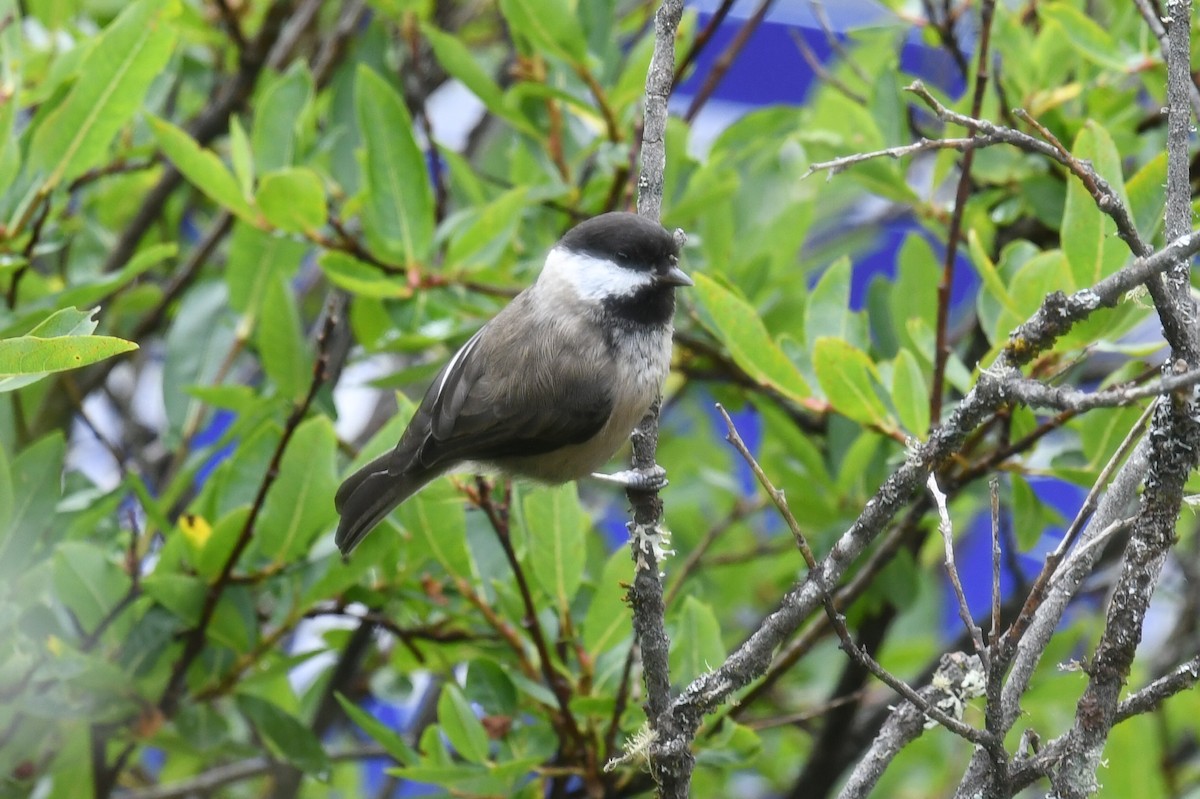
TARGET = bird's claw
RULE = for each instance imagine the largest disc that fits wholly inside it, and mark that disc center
(654, 479)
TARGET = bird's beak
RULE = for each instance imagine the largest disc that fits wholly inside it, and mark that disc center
(675, 277)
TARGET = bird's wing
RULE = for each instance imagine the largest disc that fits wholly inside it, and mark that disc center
(508, 392)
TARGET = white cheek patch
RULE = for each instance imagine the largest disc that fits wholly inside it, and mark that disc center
(593, 278)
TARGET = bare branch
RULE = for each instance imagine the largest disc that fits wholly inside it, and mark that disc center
(1056, 316)
(1181, 678)
(819, 70)
(994, 492)
(671, 759)
(836, 619)
(956, 681)
(947, 531)
(1156, 27)
(941, 354)
(835, 44)
(1037, 394)
(836, 165)
(242, 770)
(726, 59)
(1175, 445)
(1106, 199)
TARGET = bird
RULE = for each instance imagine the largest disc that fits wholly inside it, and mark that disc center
(551, 386)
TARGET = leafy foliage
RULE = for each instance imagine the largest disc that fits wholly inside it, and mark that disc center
(179, 200)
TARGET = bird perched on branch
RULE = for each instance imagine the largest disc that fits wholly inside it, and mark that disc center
(552, 385)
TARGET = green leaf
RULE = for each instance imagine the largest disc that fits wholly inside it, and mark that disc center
(1046, 272)
(924, 340)
(1101, 431)
(457, 60)
(554, 527)
(234, 623)
(257, 261)
(27, 359)
(910, 395)
(285, 357)
(10, 149)
(347, 272)
(551, 26)
(292, 199)
(1089, 237)
(203, 169)
(914, 291)
(987, 272)
(243, 159)
(855, 467)
(737, 324)
(1029, 515)
(87, 582)
(382, 733)
(828, 310)
(211, 558)
(698, 648)
(459, 723)
(489, 232)
(398, 209)
(67, 322)
(888, 108)
(181, 594)
(87, 292)
(198, 343)
(1147, 196)
(848, 377)
(29, 491)
(285, 735)
(489, 686)
(608, 621)
(300, 506)
(438, 517)
(733, 747)
(1085, 35)
(278, 114)
(11, 538)
(113, 80)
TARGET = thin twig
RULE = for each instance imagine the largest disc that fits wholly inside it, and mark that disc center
(952, 685)
(947, 532)
(702, 38)
(1181, 678)
(239, 771)
(836, 165)
(1057, 315)
(941, 355)
(818, 69)
(1036, 394)
(835, 42)
(972, 734)
(726, 59)
(1037, 592)
(558, 685)
(1156, 27)
(994, 492)
(196, 638)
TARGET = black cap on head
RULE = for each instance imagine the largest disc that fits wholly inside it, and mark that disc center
(632, 241)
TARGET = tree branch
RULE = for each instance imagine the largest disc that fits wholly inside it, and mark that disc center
(671, 760)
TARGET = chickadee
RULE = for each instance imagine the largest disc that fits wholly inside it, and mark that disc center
(550, 387)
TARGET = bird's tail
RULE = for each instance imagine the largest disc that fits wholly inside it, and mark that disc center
(370, 494)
